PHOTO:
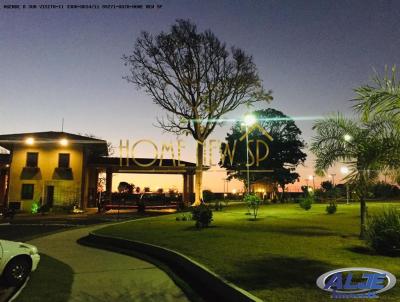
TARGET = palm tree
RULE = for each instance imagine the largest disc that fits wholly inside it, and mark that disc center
(367, 147)
(382, 98)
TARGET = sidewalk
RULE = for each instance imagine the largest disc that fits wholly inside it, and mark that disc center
(100, 275)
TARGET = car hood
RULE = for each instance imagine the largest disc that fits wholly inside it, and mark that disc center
(6, 244)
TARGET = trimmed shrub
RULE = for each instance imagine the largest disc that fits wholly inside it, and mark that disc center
(306, 202)
(35, 207)
(202, 215)
(331, 208)
(253, 204)
(383, 232)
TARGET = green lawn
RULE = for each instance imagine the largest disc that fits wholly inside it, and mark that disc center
(279, 256)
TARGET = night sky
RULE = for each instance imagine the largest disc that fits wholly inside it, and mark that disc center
(67, 63)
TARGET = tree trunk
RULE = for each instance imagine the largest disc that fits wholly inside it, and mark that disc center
(283, 194)
(199, 175)
(275, 192)
(363, 215)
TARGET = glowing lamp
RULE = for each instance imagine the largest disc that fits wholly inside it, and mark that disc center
(249, 120)
(30, 141)
(347, 137)
(344, 170)
(63, 142)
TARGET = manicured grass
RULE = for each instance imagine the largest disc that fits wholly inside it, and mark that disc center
(279, 256)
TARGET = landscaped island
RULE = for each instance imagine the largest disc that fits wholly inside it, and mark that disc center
(279, 256)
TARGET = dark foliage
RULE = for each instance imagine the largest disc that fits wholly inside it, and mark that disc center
(284, 151)
(383, 232)
(306, 202)
(202, 215)
(331, 208)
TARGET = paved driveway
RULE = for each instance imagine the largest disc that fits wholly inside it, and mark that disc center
(99, 275)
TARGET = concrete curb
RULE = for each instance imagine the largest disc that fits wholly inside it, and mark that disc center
(207, 284)
(18, 291)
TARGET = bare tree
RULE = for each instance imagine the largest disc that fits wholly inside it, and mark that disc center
(196, 79)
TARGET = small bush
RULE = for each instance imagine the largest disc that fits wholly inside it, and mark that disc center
(35, 207)
(253, 204)
(383, 232)
(202, 215)
(306, 202)
(331, 208)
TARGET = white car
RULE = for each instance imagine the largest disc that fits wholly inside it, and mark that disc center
(17, 261)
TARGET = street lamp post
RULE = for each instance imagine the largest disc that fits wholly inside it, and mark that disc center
(224, 180)
(333, 179)
(344, 170)
(312, 177)
(248, 121)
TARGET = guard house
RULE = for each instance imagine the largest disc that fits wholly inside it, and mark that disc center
(61, 169)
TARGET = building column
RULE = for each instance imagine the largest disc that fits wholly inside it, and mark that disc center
(191, 188)
(185, 195)
(109, 174)
(84, 177)
(188, 189)
(92, 187)
(3, 179)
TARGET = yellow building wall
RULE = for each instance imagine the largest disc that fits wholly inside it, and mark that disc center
(65, 191)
